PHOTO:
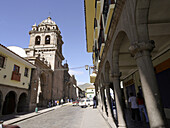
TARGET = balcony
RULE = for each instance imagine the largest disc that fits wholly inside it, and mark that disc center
(101, 49)
(16, 76)
(98, 3)
(109, 17)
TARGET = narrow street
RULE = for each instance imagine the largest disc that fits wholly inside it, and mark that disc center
(67, 117)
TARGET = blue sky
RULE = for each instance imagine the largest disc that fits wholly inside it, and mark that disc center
(18, 16)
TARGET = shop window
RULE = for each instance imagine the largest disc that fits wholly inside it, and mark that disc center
(37, 40)
(2, 61)
(47, 39)
(26, 72)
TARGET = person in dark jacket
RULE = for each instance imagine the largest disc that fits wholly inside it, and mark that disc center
(94, 102)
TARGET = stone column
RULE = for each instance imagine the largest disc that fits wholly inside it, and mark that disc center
(109, 105)
(141, 53)
(103, 102)
(2, 104)
(119, 101)
(16, 106)
(99, 99)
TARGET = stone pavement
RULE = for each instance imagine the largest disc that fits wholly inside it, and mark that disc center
(91, 117)
(11, 119)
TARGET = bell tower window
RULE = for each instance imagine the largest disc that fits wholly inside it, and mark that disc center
(37, 40)
(47, 39)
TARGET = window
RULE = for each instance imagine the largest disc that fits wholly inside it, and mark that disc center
(47, 39)
(37, 40)
(2, 61)
(15, 74)
(16, 69)
(26, 72)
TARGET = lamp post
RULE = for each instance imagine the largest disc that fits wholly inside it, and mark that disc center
(87, 67)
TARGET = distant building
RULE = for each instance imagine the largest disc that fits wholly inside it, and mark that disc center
(70, 85)
(90, 92)
(15, 76)
(86, 88)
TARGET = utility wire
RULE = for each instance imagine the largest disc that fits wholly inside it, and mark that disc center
(63, 68)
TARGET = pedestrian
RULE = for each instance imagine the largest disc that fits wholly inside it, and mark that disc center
(94, 102)
(49, 104)
(114, 108)
(55, 102)
(142, 108)
(134, 107)
(62, 101)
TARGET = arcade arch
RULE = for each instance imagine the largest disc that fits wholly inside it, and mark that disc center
(22, 103)
(9, 103)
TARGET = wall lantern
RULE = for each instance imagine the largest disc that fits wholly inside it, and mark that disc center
(86, 67)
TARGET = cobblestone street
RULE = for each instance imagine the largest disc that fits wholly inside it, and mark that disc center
(67, 117)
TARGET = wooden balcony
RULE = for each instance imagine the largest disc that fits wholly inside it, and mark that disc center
(16, 76)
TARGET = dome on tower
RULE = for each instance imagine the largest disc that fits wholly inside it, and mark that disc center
(47, 21)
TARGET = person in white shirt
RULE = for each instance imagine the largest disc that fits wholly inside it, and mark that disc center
(134, 107)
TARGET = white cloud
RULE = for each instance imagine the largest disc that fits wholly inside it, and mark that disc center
(73, 72)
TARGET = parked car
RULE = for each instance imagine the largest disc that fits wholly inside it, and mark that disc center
(75, 103)
(90, 102)
(83, 102)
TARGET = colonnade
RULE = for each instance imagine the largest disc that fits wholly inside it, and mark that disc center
(142, 54)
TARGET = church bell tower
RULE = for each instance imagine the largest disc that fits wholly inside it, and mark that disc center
(46, 43)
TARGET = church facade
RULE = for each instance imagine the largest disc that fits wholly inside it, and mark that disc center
(45, 51)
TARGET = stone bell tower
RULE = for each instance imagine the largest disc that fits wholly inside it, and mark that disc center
(46, 43)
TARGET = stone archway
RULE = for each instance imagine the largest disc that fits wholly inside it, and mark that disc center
(9, 103)
(123, 64)
(22, 103)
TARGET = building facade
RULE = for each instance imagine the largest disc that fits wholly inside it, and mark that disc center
(38, 77)
(49, 79)
(70, 85)
(15, 77)
(130, 42)
(90, 92)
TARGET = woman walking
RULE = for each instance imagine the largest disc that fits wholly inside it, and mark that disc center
(142, 109)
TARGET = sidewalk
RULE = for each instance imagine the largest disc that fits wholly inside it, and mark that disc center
(93, 119)
(11, 119)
